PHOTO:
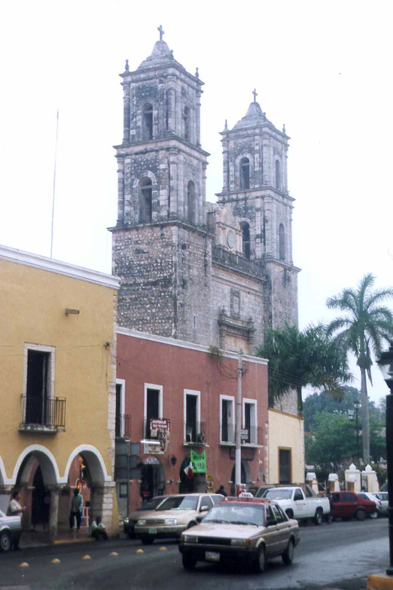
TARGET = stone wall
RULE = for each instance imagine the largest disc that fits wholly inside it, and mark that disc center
(165, 272)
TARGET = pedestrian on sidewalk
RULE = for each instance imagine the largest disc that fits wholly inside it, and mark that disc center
(15, 509)
(97, 529)
(76, 509)
(221, 490)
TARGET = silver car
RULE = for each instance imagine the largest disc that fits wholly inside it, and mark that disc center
(10, 531)
(175, 514)
(241, 529)
(132, 519)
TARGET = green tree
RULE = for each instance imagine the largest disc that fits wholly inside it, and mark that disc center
(364, 328)
(297, 359)
(323, 402)
(331, 441)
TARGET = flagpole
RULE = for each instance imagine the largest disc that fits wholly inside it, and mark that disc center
(238, 458)
(54, 185)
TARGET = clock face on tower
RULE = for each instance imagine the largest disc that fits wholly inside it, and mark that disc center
(230, 240)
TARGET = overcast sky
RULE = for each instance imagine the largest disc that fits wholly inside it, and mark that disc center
(322, 68)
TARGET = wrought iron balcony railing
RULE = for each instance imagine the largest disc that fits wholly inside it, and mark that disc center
(47, 414)
(195, 433)
(123, 426)
(248, 436)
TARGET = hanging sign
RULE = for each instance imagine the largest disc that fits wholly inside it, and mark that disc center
(198, 462)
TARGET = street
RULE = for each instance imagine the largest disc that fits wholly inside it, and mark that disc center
(339, 555)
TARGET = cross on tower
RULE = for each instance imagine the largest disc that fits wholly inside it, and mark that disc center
(255, 93)
(161, 30)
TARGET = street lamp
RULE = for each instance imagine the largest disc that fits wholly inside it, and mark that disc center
(385, 363)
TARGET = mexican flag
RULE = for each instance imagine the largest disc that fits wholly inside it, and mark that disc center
(189, 471)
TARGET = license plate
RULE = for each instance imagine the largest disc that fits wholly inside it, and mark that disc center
(152, 531)
(212, 556)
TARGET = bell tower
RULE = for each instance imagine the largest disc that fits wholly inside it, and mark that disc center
(161, 249)
(255, 189)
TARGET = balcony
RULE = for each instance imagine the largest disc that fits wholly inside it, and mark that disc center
(123, 426)
(195, 434)
(40, 414)
(251, 436)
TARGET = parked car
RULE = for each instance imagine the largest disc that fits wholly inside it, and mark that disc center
(258, 491)
(384, 499)
(247, 529)
(129, 523)
(373, 498)
(10, 531)
(299, 504)
(347, 505)
(175, 514)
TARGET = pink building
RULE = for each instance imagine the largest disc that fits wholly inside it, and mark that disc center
(175, 397)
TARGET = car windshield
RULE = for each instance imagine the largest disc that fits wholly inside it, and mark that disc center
(236, 514)
(363, 496)
(152, 504)
(278, 494)
(179, 503)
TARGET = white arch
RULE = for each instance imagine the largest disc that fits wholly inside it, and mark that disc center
(95, 463)
(48, 464)
(3, 476)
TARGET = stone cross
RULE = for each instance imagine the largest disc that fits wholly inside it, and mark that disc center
(255, 93)
(161, 31)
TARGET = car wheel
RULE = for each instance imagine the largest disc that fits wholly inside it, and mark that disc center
(5, 541)
(190, 524)
(261, 560)
(289, 553)
(189, 562)
(318, 517)
(147, 540)
(289, 513)
(360, 514)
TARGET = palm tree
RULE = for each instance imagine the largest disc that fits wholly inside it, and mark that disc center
(364, 329)
(298, 359)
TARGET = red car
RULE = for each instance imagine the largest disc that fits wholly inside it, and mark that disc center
(346, 505)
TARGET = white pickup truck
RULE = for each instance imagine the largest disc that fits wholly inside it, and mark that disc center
(300, 504)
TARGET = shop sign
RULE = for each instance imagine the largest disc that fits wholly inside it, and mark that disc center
(198, 462)
(151, 449)
(158, 426)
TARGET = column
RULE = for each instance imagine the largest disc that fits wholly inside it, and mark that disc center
(171, 96)
(225, 165)
(53, 512)
(198, 118)
(126, 118)
(101, 504)
(120, 190)
(173, 194)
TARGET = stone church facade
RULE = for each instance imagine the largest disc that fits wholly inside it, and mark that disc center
(218, 274)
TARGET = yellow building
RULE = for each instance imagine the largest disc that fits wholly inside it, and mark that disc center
(285, 448)
(58, 385)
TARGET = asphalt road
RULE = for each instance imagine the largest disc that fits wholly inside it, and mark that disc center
(335, 556)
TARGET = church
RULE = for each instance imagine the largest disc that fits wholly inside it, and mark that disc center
(216, 275)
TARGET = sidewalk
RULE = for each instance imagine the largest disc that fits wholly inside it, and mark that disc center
(64, 537)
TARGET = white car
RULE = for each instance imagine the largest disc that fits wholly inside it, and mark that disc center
(10, 531)
(373, 498)
(383, 497)
(300, 504)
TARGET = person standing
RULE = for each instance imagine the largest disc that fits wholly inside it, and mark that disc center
(76, 509)
(221, 490)
(15, 509)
